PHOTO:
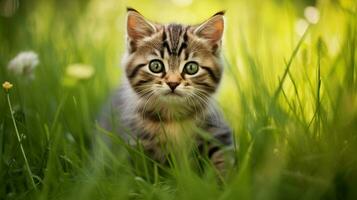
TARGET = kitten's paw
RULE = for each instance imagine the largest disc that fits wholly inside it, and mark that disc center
(224, 161)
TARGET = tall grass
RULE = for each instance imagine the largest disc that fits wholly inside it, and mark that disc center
(288, 93)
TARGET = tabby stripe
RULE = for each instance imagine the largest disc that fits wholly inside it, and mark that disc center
(185, 37)
(162, 50)
(142, 82)
(164, 35)
(204, 84)
(135, 70)
(166, 45)
(162, 53)
(186, 55)
(144, 135)
(183, 46)
(152, 116)
(207, 86)
(212, 150)
(163, 74)
(210, 72)
(175, 33)
(183, 75)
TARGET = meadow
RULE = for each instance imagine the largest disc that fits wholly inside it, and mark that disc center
(289, 93)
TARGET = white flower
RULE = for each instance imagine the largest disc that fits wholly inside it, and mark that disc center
(24, 64)
(80, 71)
(312, 14)
(301, 26)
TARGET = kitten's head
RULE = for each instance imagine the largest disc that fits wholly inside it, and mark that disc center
(174, 62)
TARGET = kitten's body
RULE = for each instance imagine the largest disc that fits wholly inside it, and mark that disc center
(171, 73)
(133, 124)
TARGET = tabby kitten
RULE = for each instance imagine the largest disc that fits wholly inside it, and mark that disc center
(171, 73)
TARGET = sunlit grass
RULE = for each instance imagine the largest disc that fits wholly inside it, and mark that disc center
(289, 94)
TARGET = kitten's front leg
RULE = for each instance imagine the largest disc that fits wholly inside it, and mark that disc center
(221, 150)
(223, 160)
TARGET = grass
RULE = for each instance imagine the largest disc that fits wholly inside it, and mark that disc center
(288, 93)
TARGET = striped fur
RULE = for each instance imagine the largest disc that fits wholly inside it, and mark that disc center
(148, 107)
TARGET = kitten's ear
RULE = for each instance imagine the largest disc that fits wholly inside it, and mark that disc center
(137, 26)
(211, 29)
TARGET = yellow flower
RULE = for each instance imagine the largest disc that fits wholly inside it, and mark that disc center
(80, 71)
(7, 86)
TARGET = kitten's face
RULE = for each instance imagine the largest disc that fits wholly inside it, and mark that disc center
(173, 63)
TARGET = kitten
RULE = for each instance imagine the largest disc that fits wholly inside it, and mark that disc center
(171, 73)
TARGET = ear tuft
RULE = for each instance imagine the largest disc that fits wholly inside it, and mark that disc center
(222, 12)
(137, 26)
(212, 29)
(131, 9)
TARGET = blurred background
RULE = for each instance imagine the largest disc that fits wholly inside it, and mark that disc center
(288, 92)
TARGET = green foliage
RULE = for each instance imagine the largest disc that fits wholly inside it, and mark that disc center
(288, 93)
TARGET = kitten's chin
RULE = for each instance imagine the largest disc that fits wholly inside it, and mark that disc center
(172, 97)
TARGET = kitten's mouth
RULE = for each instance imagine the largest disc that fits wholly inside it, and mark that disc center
(173, 94)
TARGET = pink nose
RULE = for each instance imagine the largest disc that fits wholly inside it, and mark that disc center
(173, 85)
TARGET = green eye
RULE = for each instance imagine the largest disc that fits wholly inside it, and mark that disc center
(191, 68)
(156, 66)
